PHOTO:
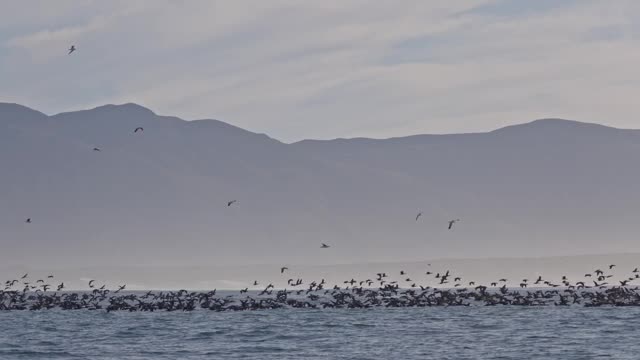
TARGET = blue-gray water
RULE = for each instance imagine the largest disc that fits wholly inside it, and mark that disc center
(407, 333)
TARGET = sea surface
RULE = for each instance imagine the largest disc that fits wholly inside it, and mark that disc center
(477, 332)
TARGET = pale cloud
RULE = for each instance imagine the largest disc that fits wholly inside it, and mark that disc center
(334, 68)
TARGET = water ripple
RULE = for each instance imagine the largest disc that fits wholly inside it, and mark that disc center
(416, 333)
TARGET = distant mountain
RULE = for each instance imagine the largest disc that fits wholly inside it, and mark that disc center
(159, 197)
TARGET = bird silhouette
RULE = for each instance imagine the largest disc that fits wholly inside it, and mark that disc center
(232, 202)
(282, 269)
(72, 49)
(28, 221)
(138, 129)
(451, 222)
(418, 216)
(324, 246)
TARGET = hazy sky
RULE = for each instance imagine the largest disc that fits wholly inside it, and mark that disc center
(332, 68)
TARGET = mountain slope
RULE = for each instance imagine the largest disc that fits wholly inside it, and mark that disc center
(158, 197)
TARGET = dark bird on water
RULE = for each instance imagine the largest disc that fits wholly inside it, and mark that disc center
(72, 49)
(282, 269)
(232, 202)
(138, 129)
(324, 246)
(451, 222)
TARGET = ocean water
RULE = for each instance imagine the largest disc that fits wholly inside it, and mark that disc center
(497, 332)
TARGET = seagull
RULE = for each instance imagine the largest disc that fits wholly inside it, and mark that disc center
(24, 276)
(282, 269)
(28, 221)
(96, 149)
(91, 283)
(418, 216)
(255, 283)
(451, 222)
(72, 49)
(232, 202)
(138, 129)
(611, 266)
(324, 246)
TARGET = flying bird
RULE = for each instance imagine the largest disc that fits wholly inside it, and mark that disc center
(232, 202)
(72, 49)
(451, 222)
(324, 246)
(138, 129)
(282, 269)
(96, 149)
(418, 216)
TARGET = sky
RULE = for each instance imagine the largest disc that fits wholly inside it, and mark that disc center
(332, 68)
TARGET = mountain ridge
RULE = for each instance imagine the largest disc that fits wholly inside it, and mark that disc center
(141, 110)
(160, 196)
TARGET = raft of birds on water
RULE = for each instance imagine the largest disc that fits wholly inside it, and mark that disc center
(379, 292)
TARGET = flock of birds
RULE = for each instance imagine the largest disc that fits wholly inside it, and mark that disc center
(592, 291)
(448, 290)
